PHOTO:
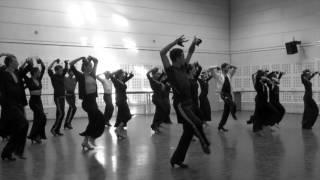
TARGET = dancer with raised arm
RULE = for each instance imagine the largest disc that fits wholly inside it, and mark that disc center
(70, 84)
(311, 110)
(57, 81)
(88, 93)
(179, 80)
(34, 84)
(203, 97)
(13, 102)
(119, 79)
(107, 96)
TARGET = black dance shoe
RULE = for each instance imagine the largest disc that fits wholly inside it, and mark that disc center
(234, 116)
(249, 121)
(181, 165)
(107, 124)
(53, 132)
(68, 126)
(35, 140)
(59, 134)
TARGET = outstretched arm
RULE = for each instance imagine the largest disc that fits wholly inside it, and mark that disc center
(232, 70)
(43, 68)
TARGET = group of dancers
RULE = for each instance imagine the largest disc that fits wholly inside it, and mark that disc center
(179, 76)
(14, 79)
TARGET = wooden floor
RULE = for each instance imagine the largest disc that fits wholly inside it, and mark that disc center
(287, 153)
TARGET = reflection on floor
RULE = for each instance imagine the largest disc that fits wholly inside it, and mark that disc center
(287, 153)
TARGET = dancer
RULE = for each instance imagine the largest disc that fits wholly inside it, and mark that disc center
(107, 97)
(157, 87)
(3, 131)
(70, 84)
(274, 92)
(226, 94)
(311, 110)
(57, 80)
(194, 70)
(165, 93)
(183, 104)
(203, 97)
(13, 102)
(34, 84)
(88, 94)
(119, 79)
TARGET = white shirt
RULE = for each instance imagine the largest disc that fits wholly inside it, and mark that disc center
(107, 86)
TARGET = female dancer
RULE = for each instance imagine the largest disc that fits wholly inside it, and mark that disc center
(183, 103)
(34, 85)
(203, 97)
(274, 90)
(107, 97)
(157, 87)
(88, 94)
(119, 79)
(165, 92)
(70, 83)
(311, 110)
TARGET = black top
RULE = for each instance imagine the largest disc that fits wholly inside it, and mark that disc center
(82, 82)
(204, 86)
(121, 87)
(262, 91)
(179, 81)
(13, 93)
(194, 91)
(31, 84)
(58, 82)
(307, 84)
(274, 94)
(226, 87)
(156, 87)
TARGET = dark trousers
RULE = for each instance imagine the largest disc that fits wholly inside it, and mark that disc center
(60, 104)
(124, 114)
(71, 100)
(205, 108)
(192, 125)
(95, 126)
(161, 112)
(39, 118)
(229, 107)
(108, 110)
(18, 125)
(311, 112)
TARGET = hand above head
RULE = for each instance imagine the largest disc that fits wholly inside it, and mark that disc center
(181, 40)
(66, 61)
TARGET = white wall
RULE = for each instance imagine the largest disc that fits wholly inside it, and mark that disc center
(259, 30)
(45, 29)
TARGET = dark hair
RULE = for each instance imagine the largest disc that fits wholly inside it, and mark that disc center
(8, 60)
(224, 65)
(57, 68)
(118, 73)
(306, 71)
(175, 53)
(34, 70)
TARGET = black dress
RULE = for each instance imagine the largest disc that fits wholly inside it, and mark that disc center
(204, 101)
(35, 103)
(311, 109)
(96, 119)
(124, 114)
(275, 101)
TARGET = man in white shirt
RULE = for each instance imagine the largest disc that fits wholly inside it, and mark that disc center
(107, 97)
(223, 78)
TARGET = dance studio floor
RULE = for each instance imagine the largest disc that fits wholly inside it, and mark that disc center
(287, 153)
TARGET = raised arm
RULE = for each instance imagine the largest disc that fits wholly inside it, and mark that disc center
(73, 68)
(198, 70)
(50, 72)
(25, 67)
(95, 64)
(43, 68)
(166, 49)
(313, 74)
(191, 50)
(232, 70)
(65, 70)
(155, 69)
(128, 77)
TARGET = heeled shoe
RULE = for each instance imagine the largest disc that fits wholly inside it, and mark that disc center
(20, 156)
(181, 165)
(7, 157)
(35, 140)
(53, 133)
(59, 134)
(68, 127)
(119, 134)
(86, 146)
(222, 129)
